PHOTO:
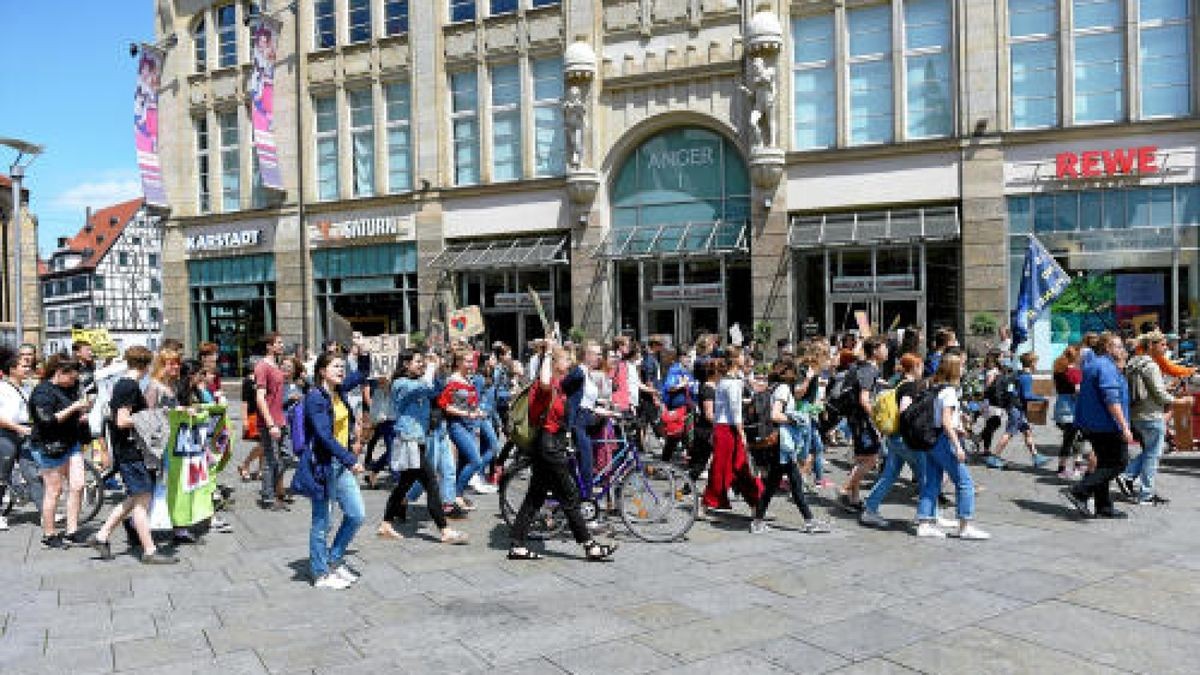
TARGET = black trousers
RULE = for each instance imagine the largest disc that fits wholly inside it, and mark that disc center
(1111, 457)
(701, 451)
(990, 427)
(425, 475)
(774, 474)
(1070, 433)
(551, 473)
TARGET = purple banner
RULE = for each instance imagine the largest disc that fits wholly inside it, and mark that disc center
(145, 124)
(265, 32)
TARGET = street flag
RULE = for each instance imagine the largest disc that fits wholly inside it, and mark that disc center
(145, 124)
(1041, 282)
(265, 31)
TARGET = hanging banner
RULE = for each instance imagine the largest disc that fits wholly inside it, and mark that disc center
(265, 32)
(145, 124)
(1042, 281)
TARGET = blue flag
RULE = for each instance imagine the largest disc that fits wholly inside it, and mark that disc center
(1041, 282)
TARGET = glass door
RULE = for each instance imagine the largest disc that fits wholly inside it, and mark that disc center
(842, 313)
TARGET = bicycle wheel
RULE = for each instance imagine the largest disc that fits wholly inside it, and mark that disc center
(659, 503)
(93, 492)
(548, 522)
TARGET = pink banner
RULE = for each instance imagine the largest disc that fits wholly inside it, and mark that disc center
(145, 124)
(265, 31)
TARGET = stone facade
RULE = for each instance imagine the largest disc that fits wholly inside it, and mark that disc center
(31, 296)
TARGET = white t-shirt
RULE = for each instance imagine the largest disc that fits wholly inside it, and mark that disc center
(633, 380)
(948, 398)
(727, 405)
(14, 405)
(591, 392)
(783, 394)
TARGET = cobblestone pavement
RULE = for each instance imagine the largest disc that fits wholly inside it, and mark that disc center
(1050, 593)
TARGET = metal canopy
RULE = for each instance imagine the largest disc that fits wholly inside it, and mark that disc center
(674, 240)
(935, 223)
(490, 254)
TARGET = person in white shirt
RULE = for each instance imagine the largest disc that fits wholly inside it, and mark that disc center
(14, 427)
(730, 468)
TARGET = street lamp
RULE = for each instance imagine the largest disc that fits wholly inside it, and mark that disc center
(28, 152)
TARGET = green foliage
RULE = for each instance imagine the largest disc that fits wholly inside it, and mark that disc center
(763, 331)
(984, 324)
(417, 339)
(576, 334)
(1087, 294)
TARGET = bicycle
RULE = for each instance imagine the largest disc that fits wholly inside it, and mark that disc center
(657, 501)
(19, 492)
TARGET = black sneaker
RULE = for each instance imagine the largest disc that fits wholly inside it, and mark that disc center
(159, 558)
(102, 547)
(1125, 484)
(55, 540)
(75, 538)
(1154, 500)
(456, 512)
(1112, 514)
(1078, 501)
(851, 506)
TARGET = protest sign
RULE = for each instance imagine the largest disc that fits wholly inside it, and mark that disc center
(466, 322)
(384, 351)
(102, 343)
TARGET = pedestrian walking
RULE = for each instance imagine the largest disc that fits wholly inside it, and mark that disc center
(1149, 397)
(59, 425)
(1102, 415)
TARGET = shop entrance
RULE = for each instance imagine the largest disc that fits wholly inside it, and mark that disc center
(884, 313)
(686, 321)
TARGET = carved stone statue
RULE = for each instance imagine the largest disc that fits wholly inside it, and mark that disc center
(574, 109)
(761, 95)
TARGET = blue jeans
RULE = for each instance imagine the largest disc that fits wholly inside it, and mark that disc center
(489, 442)
(463, 435)
(1153, 434)
(343, 488)
(941, 460)
(584, 453)
(899, 454)
(441, 458)
(816, 448)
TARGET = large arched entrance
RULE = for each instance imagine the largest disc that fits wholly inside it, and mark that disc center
(679, 239)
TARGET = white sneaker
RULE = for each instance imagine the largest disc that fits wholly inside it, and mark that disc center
(946, 522)
(3, 524)
(482, 487)
(333, 581)
(930, 530)
(872, 519)
(759, 527)
(344, 572)
(972, 533)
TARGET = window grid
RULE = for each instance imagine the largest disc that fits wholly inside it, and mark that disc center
(231, 192)
(549, 141)
(1164, 53)
(395, 16)
(325, 108)
(870, 75)
(1033, 63)
(815, 122)
(227, 35)
(399, 139)
(324, 24)
(506, 122)
(462, 10)
(258, 190)
(203, 187)
(360, 20)
(928, 102)
(465, 122)
(362, 141)
(1098, 31)
(200, 46)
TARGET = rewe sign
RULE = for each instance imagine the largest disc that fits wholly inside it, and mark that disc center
(1141, 161)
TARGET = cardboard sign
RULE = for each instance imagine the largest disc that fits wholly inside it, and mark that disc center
(384, 350)
(864, 323)
(102, 344)
(465, 323)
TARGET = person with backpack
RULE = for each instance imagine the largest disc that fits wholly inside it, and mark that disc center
(899, 454)
(413, 392)
(993, 411)
(863, 383)
(676, 398)
(127, 400)
(550, 470)
(1017, 394)
(250, 426)
(940, 405)
(1103, 416)
(791, 434)
(1149, 397)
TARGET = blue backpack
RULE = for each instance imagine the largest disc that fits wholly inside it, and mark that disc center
(304, 479)
(299, 435)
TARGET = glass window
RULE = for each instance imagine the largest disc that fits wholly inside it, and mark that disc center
(871, 109)
(1043, 213)
(399, 140)
(813, 83)
(549, 141)
(503, 7)
(98, 282)
(928, 81)
(231, 193)
(1066, 211)
(360, 20)
(98, 312)
(1033, 63)
(227, 35)
(545, 3)
(1099, 67)
(122, 259)
(464, 89)
(506, 122)
(324, 23)
(327, 148)
(462, 10)
(204, 194)
(396, 16)
(1020, 217)
(1165, 58)
(200, 46)
(152, 260)
(362, 141)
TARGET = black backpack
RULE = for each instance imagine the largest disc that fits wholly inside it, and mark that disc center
(919, 425)
(1002, 392)
(760, 430)
(842, 395)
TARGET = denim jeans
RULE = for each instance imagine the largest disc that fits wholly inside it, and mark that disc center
(584, 453)
(343, 488)
(816, 448)
(441, 458)
(489, 441)
(1145, 465)
(899, 454)
(463, 435)
(941, 460)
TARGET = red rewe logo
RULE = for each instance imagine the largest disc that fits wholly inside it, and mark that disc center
(1107, 163)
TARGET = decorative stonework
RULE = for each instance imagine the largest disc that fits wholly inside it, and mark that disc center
(622, 16)
(544, 30)
(502, 37)
(684, 60)
(461, 42)
(357, 64)
(393, 58)
(225, 86)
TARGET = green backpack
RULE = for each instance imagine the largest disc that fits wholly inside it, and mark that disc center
(520, 430)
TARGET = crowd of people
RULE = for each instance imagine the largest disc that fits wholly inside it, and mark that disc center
(327, 427)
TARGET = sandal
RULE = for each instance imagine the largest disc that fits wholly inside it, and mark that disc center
(454, 537)
(527, 554)
(244, 473)
(386, 531)
(597, 552)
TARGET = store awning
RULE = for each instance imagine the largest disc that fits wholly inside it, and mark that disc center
(490, 254)
(934, 223)
(674, 240)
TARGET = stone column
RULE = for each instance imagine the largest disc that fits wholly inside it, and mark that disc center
(290, 282)
(428, 87)
(177, 306)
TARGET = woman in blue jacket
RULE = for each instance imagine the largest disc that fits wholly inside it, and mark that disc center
(329, 428)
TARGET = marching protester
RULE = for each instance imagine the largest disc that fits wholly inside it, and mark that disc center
(269, 386)
(1017, 409)
(1067, 378)
(899, 454)
(1149, 398)
(730, 468)
(15, 427)
(863, 387)
(59, 425)
(459, 402)
(1102, 415)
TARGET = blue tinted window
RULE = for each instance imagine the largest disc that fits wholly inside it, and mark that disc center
(462, 10)
(1034, 75)
(1043, 213)
(1066, 212)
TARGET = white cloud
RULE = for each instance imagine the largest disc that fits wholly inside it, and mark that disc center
(109, 190)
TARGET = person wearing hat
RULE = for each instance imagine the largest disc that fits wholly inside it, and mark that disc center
(1149, 397)
(59, 424)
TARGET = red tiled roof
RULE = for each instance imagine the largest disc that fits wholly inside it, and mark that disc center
(106, 226)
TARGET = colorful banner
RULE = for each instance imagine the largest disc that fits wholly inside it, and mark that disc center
(197, 450)
(265, 32)
(1042, 281)
(145, 124)
(102, 343)
(466, 323)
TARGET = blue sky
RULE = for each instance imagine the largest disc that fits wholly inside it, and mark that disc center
(67, 83)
